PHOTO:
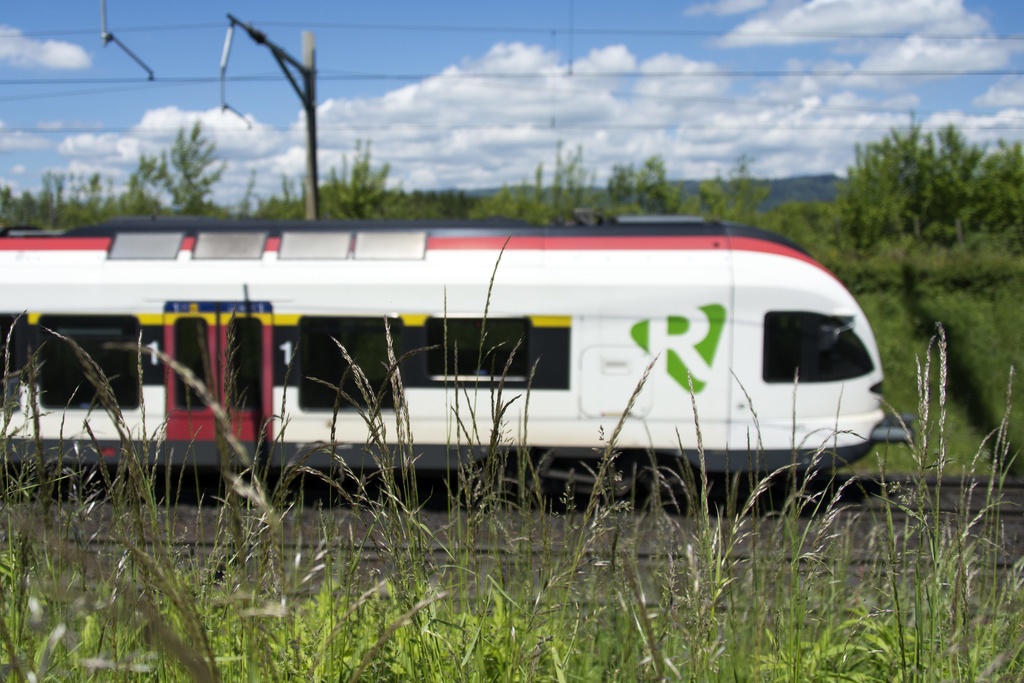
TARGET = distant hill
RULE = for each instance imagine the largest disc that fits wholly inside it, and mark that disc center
(809, 188)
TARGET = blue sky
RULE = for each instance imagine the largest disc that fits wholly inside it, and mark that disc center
(476, 94)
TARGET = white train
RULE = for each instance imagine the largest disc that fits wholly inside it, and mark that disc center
(571, 316)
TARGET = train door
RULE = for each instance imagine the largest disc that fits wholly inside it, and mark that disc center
(227, 346)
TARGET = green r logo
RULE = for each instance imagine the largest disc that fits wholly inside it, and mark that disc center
(690, 345)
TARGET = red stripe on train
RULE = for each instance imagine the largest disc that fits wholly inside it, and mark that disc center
(55, 243)
(587, 243)
(537, 243)
(622, 243)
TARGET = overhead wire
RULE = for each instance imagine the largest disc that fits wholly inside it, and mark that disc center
(539, 125)
(122, 84)
(331, 75)
(138, 83)
(538, 30)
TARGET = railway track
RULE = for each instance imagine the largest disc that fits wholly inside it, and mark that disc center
(203, 527)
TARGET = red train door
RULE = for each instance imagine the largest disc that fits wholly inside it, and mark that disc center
(227, 346)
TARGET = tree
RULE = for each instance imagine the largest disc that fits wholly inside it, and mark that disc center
(737, 199)
(141, 196)
(999, 196)
(290, 205)
(524, 201)
(928, 189)
(956, 170)
(536, 203)
(647, 190)
(189, 172)
(570, 185)
(360, 192)
(23, 209)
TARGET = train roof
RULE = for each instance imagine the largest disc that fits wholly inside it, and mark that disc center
(625, 226)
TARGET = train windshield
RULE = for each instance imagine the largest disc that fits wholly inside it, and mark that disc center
(820, 348)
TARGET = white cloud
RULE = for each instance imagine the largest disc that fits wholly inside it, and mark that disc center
(508, 58)
(1007, 92)
(988, 128)
(725, 7)
(918, 53)
(942, 36)
(467, 128)
(821, 20)
(19, 141)
(22, 52)
(692, 79)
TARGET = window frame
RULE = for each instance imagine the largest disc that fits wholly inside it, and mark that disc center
(435, 336)
(312, 395)
(127, 392)
(810, 353)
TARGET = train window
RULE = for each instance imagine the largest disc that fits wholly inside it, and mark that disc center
(325, 371)
(825, 349)
(191, 349)
(457, 349)
(62, 380)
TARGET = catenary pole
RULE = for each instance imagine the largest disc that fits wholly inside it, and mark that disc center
(306, 90)
(309, 102)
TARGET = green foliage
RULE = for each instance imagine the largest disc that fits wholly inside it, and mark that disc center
(420, 205)
(999, 199)
(357, 193)
(65, 200)
(570, 184)
(812, 225)
(536, 203)
(524, 202)
(646, 190)
(289, 205)
(975, 297)
(188, 172)
(141, 197)
(915, 188)
(378, 589)
(736, 199)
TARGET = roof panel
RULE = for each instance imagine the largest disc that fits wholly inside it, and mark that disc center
(229, 245)
(391, 245)
(314, 245)
(142, 245)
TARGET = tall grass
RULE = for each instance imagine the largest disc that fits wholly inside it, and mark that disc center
(510, 585)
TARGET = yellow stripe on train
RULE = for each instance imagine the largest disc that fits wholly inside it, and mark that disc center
(292, 319)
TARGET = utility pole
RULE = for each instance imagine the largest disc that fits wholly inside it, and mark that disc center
(304, 83)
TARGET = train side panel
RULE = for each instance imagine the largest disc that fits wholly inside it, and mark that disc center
(722, 327)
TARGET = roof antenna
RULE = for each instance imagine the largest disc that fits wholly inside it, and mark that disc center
(224, 106)
(109, 37)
